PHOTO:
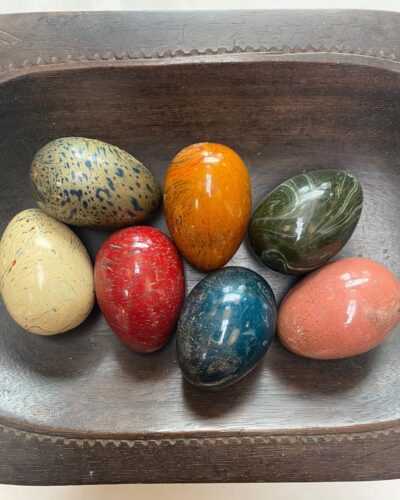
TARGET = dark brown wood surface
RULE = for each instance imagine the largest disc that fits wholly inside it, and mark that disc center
(289, 90)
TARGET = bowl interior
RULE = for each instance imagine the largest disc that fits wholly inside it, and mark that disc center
(283, 118)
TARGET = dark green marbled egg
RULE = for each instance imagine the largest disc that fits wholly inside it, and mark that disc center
(85, 182)
(306, 220)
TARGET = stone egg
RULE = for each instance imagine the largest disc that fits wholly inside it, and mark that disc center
(85, 182)
(226, 326)
(207, 203)
(343, 309)
(140, 286)
(306, 220)
(46, 276)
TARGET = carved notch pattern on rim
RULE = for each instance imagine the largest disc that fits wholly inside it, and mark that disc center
(203, 441)
(168, 54)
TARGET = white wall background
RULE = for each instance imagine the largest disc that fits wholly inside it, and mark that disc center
(383, 490)
(64, 5)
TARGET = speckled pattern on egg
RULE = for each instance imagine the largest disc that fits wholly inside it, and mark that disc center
(46, 276)
(342, 309)
(140, 286)
(86, 182)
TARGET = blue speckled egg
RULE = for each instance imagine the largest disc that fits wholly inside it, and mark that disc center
(226, 325)
(85, 182)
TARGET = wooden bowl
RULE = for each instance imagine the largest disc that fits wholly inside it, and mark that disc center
(288, 90)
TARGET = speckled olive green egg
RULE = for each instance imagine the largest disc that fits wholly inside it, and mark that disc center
(46, 276)
(85, 182)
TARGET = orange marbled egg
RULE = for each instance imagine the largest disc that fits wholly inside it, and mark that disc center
(207, 203)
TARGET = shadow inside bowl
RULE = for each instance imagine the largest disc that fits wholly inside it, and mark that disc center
(144, 366)
(313, 377)
(206, 403)
(63, 356)
(92, 238)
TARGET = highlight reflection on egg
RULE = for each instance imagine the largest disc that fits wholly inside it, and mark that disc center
(306, 220)
(226, 326)
(207, 203)
(46, 276)
(85, 182)
(343, 309)
(140, 286)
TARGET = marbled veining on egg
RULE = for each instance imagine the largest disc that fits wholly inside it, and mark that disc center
(86, 182)
(207, 203)
(306, 220)
(226, 325)
(46, 276)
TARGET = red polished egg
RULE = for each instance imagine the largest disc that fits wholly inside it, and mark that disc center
(140, 286)
(344, 308)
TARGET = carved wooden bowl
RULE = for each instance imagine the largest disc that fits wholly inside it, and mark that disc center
(289, 91)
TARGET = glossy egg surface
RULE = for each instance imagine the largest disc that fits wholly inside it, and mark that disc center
(226, 326)
(306, 220)
(207, 203)
(46, 276)
(345, 308)
(140, 286)
(85, 182)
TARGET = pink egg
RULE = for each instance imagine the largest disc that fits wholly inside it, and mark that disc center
(343, 309)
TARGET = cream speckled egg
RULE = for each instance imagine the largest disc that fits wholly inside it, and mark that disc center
(85, 182)
(46, 276)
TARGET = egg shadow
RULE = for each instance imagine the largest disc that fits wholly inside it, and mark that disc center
(145, 366)
(63, 356)
(216, 403)
(313, 376)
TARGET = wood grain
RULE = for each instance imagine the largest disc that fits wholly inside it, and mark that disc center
(86, 410)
